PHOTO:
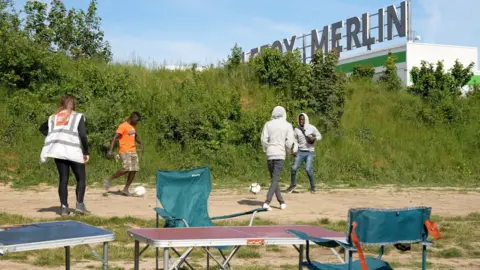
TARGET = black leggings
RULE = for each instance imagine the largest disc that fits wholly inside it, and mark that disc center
(78, 169)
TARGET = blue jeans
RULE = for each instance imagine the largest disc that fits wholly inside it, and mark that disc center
(303, 156)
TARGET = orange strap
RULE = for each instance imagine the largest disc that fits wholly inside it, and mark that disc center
(432, 229)
(363, 263)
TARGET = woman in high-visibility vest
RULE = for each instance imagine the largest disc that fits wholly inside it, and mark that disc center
(66, 142)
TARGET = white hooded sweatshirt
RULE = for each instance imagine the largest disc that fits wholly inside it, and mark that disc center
(309, 129)
(277, 135)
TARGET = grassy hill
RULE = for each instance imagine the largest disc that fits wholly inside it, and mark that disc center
(373, 132)
(214, 118)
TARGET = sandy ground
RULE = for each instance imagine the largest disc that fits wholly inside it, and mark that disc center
(42, 202)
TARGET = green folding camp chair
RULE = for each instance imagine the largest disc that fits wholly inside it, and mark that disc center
(184, 197)
(378, 227)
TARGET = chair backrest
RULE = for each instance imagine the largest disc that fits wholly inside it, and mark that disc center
(389, 226)
(184, 194)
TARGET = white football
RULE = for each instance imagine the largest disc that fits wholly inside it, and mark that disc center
(139, 191)
(255, 188)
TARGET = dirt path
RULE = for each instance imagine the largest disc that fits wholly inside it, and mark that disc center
(42, 202)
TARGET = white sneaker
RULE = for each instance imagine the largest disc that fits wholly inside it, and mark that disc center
(265, 205)
(283, 206)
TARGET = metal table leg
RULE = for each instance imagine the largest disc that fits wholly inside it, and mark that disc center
(208, 259)
(136, 255)
(165, 258)
(300, 257)
(105, 255)
(67, 258)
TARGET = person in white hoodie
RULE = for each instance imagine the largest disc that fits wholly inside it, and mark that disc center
(277, 139)
(306, 135)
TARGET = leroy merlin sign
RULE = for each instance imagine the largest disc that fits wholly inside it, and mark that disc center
(353, 33)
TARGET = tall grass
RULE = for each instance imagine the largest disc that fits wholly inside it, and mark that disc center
(219, 115)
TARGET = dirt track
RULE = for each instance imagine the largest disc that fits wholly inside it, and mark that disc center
(42, 202)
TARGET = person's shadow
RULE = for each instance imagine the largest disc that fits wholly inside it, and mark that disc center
(254, 203)
(250, 202)
(55, 209)
(120, 193)
(117, 193)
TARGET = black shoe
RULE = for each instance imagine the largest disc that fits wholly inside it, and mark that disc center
(313, 190)
(291, 188)
(65, 211)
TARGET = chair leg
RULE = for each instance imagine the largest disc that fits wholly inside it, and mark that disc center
(350, 253)
(424, 257)
(225, 258)
(300, 257)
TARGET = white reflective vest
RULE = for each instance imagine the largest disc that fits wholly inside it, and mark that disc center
(63, 141)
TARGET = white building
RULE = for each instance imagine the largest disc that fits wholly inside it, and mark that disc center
(411, 54)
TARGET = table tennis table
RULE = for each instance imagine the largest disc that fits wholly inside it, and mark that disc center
(49, 235)
(235, 236)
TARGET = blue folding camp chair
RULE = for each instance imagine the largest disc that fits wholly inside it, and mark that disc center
(184, 197)
(378, 227)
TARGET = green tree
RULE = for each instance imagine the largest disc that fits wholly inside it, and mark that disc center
(236, 58)
(62, 24)
(462, 75)
(91, 37)
(287, 74)
(435, 84)
(268, 65)
(36, 22)
(363, 72)
(74, 33)
(327, 88)
(390, 78)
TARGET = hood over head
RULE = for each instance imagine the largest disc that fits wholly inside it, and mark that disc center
(307, 122)
(279, 113)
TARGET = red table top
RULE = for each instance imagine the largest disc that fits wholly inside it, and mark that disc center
(233, 232)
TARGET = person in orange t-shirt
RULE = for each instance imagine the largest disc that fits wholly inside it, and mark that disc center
(127, 137)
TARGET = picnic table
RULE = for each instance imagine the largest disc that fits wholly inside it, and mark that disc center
(235, 236)
(49, 235)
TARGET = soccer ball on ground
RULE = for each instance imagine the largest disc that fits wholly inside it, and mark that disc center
(255, 188)
(139, 191)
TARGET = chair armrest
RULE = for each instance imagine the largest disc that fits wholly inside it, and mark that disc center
(240, 214)
(163, 213)
(325, 242)
(167, 216)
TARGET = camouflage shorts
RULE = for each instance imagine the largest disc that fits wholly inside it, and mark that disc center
(130, 161)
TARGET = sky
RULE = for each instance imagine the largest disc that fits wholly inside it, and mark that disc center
(177, 32)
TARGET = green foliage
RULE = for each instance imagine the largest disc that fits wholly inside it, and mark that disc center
(435, 84)
(314, 87)
(327, 89)
(441, 91)
(270, 67)
(390, 78)
(214, 117)
(71, 32)
(236, 58)
(287, 74)
(363, 72)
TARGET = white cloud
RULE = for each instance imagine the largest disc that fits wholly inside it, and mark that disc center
(445, 21)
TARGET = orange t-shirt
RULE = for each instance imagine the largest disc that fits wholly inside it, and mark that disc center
(127, 138)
